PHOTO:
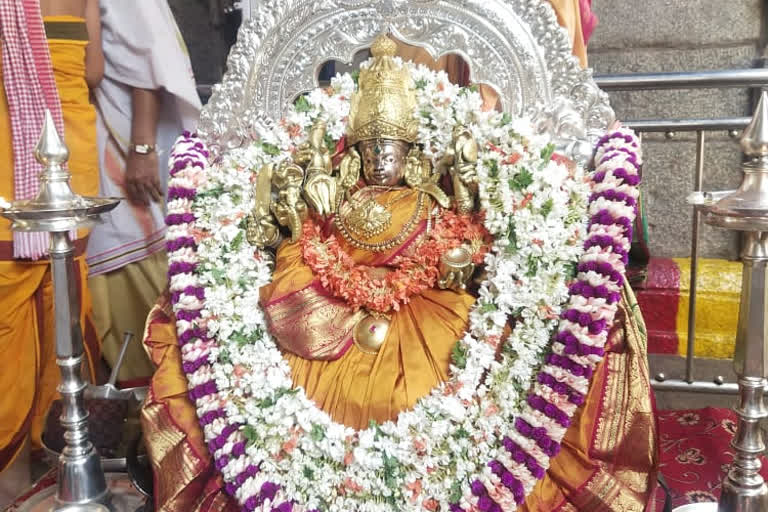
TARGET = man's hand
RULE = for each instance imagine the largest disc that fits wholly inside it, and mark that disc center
(142, 182)
(142, 178)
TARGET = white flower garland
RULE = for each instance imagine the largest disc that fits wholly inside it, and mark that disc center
(474, 443)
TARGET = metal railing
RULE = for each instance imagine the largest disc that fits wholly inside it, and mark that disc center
(741, 78)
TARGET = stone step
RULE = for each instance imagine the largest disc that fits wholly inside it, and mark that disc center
(664, 301)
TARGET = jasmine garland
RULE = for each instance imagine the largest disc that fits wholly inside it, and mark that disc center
(481, 440)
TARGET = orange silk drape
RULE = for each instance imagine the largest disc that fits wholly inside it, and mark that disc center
(609, 459)
(359, 387)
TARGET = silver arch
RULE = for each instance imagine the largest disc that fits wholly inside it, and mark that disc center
(515, 46)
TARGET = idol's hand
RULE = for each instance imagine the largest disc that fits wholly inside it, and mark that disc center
(456, 269)
(320, 191)
(291, 215)
(456, 279)
(303, 155)
(468, 173)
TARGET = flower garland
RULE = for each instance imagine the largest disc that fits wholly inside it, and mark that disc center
(481, 440)
(360, 286)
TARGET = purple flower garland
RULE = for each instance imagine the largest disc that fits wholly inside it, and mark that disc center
(578, 346)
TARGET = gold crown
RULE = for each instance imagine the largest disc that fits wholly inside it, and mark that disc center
(383, 106)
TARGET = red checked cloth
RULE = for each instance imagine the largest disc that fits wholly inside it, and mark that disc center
(30, 88)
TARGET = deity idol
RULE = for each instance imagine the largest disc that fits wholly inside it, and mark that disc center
(377, 250)
(369, 300)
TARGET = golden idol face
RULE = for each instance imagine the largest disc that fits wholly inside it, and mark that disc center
(384, 161)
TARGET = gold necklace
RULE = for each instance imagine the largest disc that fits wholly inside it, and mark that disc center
(366, 217)
(387, 244)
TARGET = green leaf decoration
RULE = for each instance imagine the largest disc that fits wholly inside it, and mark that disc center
(317, 433)
(455, 492)
(522, 180)
(488, 307)
(240, 338)
(547, 152)
(533, 266)
(493, 168)
(302, 105)
(214, 192)
(270, 149)
(512, 237)
(459, 355)
(547, 207)
(330, 143)
(250, 435)
(238, 241)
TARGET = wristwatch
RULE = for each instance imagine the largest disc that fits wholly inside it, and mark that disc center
(142, 149)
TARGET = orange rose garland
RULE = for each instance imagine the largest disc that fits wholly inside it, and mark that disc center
(412, 274)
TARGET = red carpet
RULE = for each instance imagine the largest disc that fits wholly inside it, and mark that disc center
(695, 448)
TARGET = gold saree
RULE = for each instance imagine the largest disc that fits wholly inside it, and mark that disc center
(357, 386)
(608, 460)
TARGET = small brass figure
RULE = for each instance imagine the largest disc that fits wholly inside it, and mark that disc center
(289, 208)
(461, 163)
(262, 231)
(320, 188)
(456, 268)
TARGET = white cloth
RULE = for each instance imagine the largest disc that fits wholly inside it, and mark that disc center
(31, 88)
(143, 48)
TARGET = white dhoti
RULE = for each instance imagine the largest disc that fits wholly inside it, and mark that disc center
(143, 49)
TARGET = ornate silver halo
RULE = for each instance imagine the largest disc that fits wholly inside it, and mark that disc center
(515, 46)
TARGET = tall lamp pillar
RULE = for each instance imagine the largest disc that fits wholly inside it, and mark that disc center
(80, 476)
(746, 210)
(58, 211)
(744, 487)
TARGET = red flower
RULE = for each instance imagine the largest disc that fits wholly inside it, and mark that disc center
(415, 488)
(363, 286)
(430, 504)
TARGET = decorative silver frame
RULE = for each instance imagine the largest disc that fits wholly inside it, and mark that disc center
(515, 46)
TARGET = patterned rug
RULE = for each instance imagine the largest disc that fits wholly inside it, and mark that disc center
(696, 451)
